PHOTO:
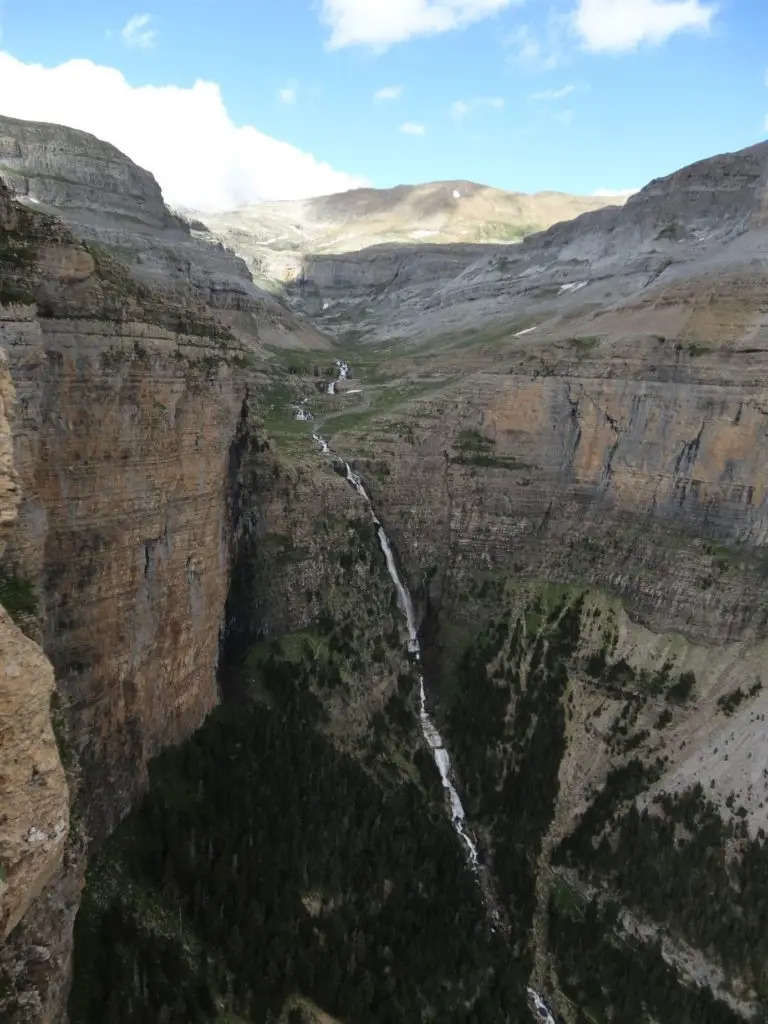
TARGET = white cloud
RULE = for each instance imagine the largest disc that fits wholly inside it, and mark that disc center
(461, 108)
(185, 136)
(530, 53)
(381, 23)
(389, 92)
(137, 34)
(617, 25)
(287, 95)
(615, 193)
(554, 94)
(409, 128)
(564, 116)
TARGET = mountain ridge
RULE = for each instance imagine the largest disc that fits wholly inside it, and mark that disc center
(273, 237)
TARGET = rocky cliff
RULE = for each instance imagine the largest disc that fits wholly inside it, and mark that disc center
(604, 460)
(107, 200)
(127, 406)
(35, 801)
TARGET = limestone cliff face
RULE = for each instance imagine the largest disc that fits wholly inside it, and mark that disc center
(33, 790)
(126, 410)
(122, 452)
(608, 462)
(330, 283)
(106, 199)
(70, 170)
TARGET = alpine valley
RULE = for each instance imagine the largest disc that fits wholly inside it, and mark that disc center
(384, 584)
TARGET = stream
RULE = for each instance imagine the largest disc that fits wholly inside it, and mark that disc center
(429, 730)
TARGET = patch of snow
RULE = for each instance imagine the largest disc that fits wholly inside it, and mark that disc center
(456, 194)
(35, 835)
(572, 286)
(526, 331)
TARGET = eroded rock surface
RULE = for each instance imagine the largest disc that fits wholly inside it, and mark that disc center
(33, 791)
(106, 199)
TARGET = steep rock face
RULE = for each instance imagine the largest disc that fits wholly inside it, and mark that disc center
(122, 453)
(74, 172)
(385, 264)
(127, 407)
(608, 462)
(33, 790)
(106, 199)
(121, 440)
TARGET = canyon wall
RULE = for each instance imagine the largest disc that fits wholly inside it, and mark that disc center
(126, 410)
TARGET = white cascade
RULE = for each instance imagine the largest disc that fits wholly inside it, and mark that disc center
(343, 374)
(429, 730)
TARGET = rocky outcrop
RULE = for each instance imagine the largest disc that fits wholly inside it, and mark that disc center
(110, 202)
(77, 174)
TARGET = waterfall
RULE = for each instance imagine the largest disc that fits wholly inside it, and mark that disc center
(429, 730)
(343, 374)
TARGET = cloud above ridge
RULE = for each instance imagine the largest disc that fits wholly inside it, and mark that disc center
(185, 136)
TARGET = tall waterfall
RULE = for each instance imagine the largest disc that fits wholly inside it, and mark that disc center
(428, 728)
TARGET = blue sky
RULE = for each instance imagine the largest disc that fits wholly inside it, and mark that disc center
(574, 95)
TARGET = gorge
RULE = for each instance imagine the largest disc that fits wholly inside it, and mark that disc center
(220, 800)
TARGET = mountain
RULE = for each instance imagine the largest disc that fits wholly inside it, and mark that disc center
(273, 237)
(692, 225)
(558, 470)
(106, 199)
